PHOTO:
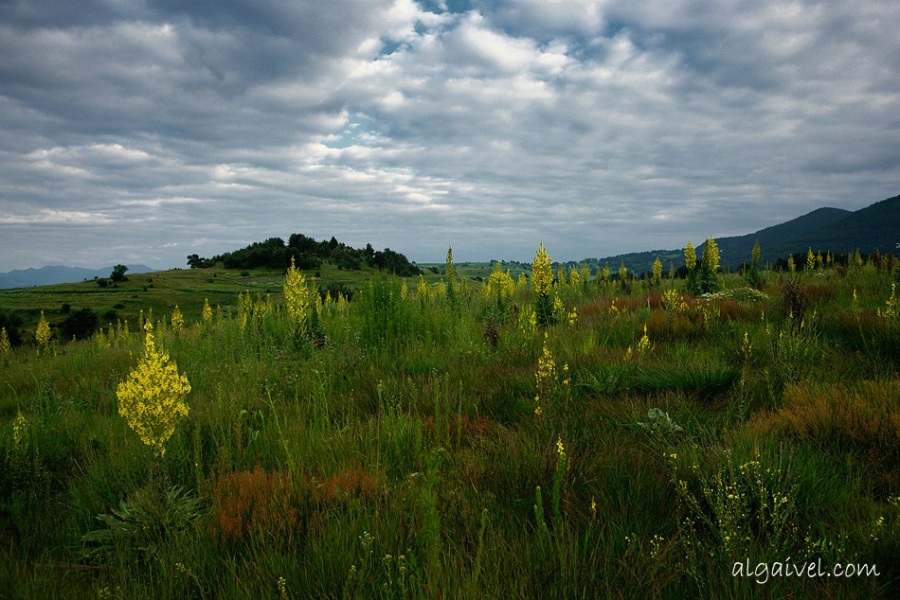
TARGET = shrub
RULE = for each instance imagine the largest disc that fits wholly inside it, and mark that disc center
(80, 324)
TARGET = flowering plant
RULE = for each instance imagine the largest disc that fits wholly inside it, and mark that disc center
(151, 399)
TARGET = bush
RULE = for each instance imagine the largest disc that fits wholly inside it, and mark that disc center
(80, 325)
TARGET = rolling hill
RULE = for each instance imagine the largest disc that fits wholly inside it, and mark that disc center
(876, 227)
(58, 274)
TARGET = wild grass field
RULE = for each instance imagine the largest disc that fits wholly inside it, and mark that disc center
(548, 436)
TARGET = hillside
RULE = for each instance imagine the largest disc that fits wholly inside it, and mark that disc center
(58, 274)
(876, 227)
(776, 241)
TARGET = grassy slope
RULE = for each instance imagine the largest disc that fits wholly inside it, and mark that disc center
(403, 458)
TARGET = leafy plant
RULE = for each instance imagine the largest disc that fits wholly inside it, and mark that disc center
(659, 422)
(143, 521)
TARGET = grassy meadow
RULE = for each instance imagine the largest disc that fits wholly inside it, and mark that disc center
(451, 438)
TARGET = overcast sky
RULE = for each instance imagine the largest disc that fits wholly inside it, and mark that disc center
(141, 131)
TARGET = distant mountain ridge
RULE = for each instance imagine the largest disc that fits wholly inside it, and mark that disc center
(58, 274)
(876, 227)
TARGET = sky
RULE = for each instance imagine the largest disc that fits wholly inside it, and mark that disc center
(142, 131)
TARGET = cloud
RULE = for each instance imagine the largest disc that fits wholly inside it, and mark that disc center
(153, 128)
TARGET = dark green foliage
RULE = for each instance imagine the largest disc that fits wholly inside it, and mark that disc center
(308, 255)
(80, 324)
(701, 280)
(395, 263)
(11, 323)
(118, 273)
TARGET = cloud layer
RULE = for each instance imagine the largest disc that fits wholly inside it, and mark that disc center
(143, 131)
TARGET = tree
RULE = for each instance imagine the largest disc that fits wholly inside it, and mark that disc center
(118, 273)
(80, 324)
(195, 261)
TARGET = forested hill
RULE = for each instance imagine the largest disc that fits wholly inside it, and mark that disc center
(308, 254)
(876, 227)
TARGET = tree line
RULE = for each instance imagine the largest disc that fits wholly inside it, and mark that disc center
(308, 255)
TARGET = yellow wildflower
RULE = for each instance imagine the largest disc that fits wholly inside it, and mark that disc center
(561, 453)
(890, 306)
(422, 289)
(711, 255)
(545, 377)
(657, 270)
(42, 333)
(18, 429)
(574, 277)
(690, 256)
(5, 346)
(542, 272)
(207, 313)
(177, 319)
(151, 399)
(644, 344)
(584, 272)
(296, 295)
(500, 284)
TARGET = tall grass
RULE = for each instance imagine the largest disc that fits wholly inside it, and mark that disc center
(398, 454)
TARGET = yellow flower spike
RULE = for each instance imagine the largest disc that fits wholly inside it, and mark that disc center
(657, 270)
(151, 399)
(18, 429)
(560, 448)
(644, 344)
(5, 345)
(711, 255)
(574, 277)
(542, 272)
(42, 333)
(207, 313)
(545, 377)
(296, 295)
(690, 256)
(177, 319)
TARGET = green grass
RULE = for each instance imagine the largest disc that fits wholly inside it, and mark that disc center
(402, 457)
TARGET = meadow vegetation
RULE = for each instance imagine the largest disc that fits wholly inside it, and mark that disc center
(561, 434)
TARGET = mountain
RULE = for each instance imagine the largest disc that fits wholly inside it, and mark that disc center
(58, 274)
(876, 227)
(777, 241)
